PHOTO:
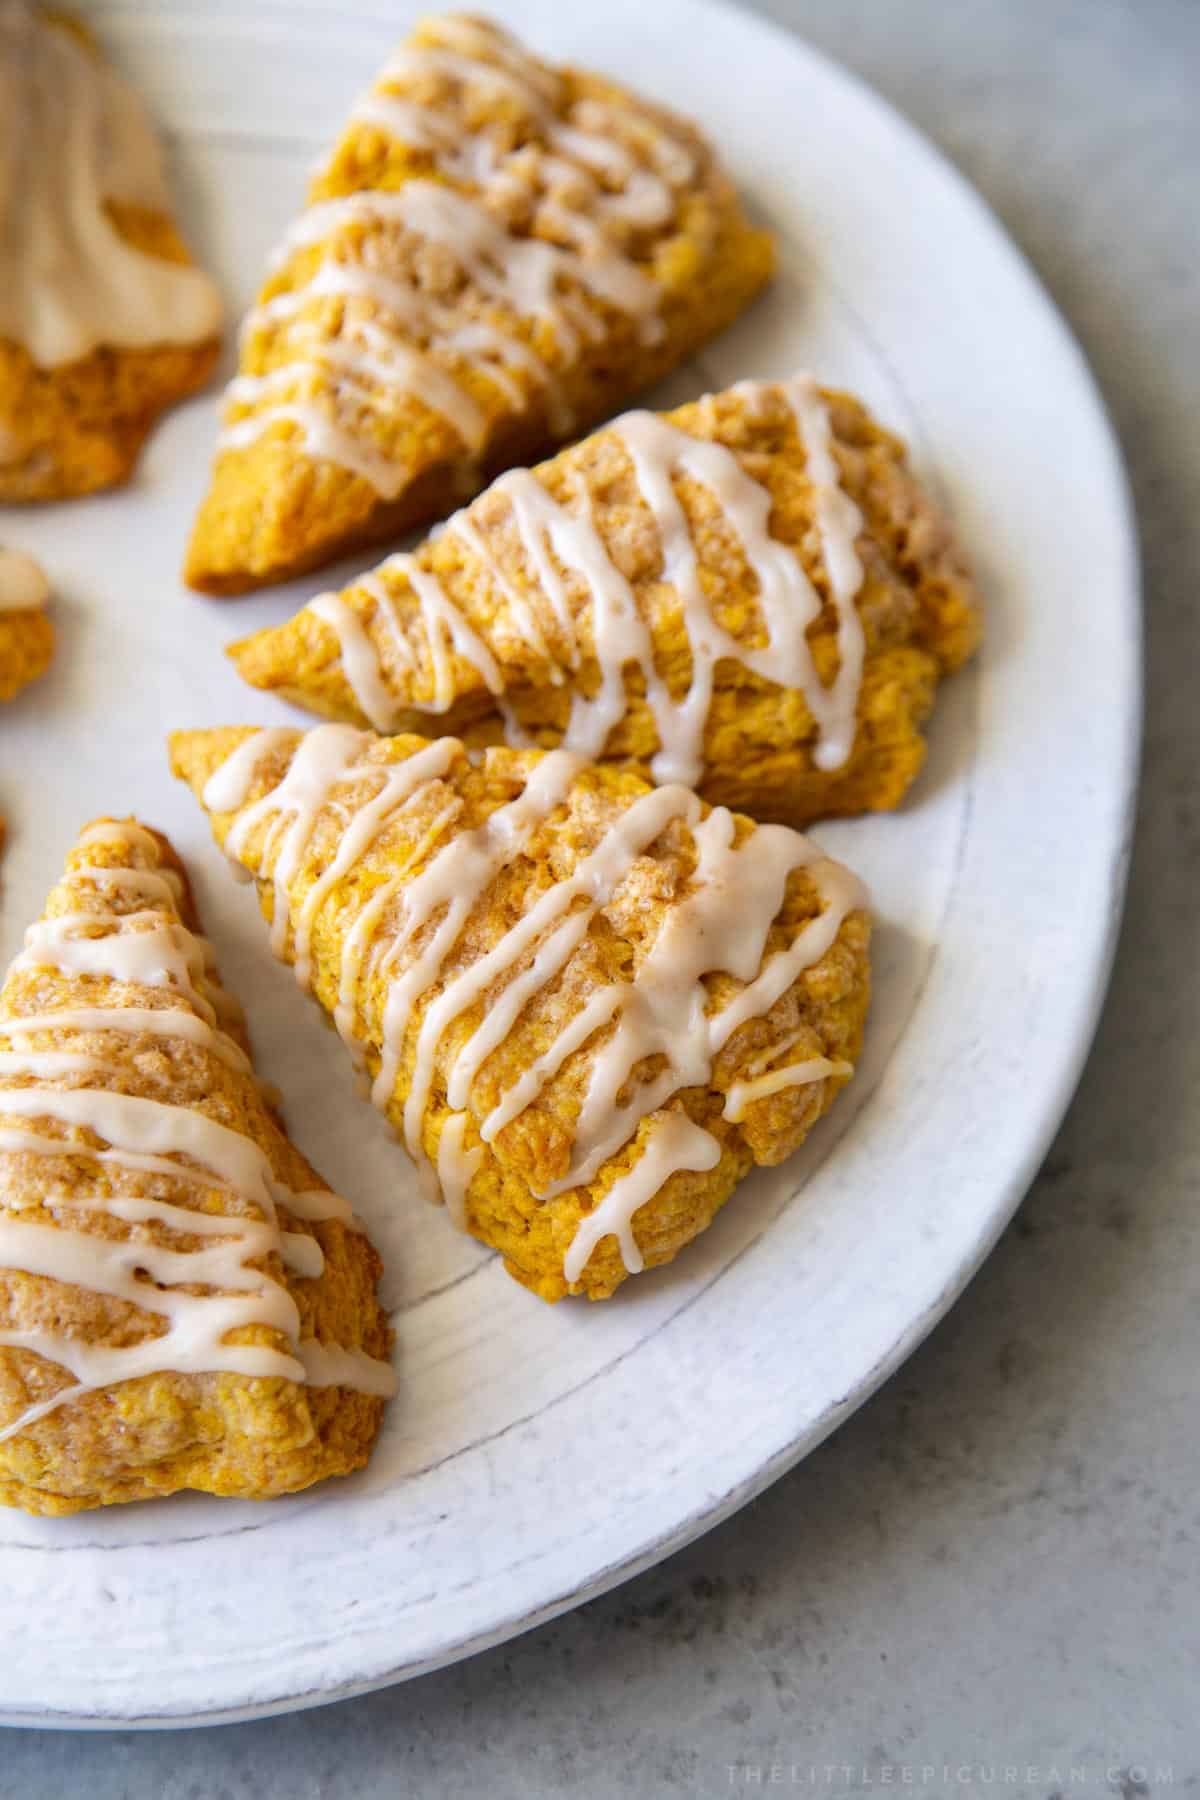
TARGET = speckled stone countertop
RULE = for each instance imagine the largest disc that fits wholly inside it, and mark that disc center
(988, 1579)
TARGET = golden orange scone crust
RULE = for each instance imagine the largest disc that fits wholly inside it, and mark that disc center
(917, 606)
(78, 427)
(559, 158)
(819, 1014)
(26, 648)
(161, 1431)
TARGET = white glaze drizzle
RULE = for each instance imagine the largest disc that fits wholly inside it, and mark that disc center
(144, 1135)
(360, 376)
(743, 1094)
(333, 1365)
(451, 885)
(375, 380)
(152, 884)
(445, 624)
(360, 660)
(74, 137)
(721, 924)
(497, 354)
(127, 833)
(457, 1167)
(560, 541)
(445, 630)
(673, 1144)
(164, 1021)
(524, 616)
(787, 600)
(23, 584)
(165, 954)
(838, 523)
(226, 787)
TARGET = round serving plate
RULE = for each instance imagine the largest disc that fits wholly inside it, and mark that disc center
(536, 1455)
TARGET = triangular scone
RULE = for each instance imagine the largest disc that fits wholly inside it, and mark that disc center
(587, 1005)
(497, 254)
(104, 320)
(26, 634)
(752, 595)
(183, 1303)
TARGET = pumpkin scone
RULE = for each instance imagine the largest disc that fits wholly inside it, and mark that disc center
(104, 319)
(183, 1302)
(588, 1006)
(26, 634)
(496, 254)
(752, 595)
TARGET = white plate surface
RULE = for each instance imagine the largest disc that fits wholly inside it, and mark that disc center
(535, 1456)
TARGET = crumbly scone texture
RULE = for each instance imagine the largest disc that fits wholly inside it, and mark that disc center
(138, 1439)
(821, 1014)
(79, 428)
(26, 648)
(918, 605)
(273, 511)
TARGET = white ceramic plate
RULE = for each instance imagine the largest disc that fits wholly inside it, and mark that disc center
(535, 1455)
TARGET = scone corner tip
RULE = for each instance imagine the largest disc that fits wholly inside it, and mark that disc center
(252, 658)
(193, 755)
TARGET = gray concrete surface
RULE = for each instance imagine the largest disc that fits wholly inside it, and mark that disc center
(988, 1580)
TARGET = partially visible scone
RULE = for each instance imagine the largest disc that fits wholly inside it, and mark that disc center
(183, 1302)
(104, 320)
(588, 1006)
(26, 634)
(496, 254)
(753, 595)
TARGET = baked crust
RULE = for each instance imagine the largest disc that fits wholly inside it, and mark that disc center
(918, 606)
(274, 510)
(820, 1014)
(26, 648)
(78, 427)
(222, 1433)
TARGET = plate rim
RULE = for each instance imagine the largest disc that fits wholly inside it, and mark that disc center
(1034, 1129)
